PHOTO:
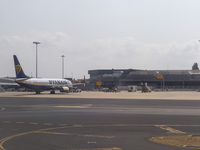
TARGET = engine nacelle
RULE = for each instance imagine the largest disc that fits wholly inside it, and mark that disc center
(64, 89)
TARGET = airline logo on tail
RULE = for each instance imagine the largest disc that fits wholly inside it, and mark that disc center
(18, 68)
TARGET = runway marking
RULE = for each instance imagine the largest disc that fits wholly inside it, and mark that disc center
(82, 106)
(2, 109)
(187, 141)
(33, 123)
(47, 131)
(91, 142)
(11, 137)
(164, 127)
(2, 141)
(85, 135)
(171, 125)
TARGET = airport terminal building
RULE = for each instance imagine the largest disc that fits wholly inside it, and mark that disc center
(124, 78)
(156, 79)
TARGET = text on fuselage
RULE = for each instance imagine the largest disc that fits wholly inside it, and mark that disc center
(57, 82)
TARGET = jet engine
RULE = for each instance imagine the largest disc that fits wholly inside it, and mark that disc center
(64, 89)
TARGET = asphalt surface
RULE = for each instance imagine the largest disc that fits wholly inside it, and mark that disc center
(94, 124)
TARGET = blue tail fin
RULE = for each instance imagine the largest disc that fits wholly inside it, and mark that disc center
(18, 69)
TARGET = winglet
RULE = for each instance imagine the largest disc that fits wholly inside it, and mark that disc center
(18, 69)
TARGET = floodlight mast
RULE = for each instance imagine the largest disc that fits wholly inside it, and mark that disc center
(36, 43)
(63, 72)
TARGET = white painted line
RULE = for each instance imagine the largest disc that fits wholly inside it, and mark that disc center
(2, 109)
(92, 142)
(82, 106)
(6, 121)
(33, 123)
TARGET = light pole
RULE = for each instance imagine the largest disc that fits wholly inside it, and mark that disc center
(63, 66)
(36, 43)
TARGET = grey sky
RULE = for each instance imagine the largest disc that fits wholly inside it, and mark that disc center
(99, 34)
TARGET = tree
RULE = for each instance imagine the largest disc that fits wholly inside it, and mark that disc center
(195, 66)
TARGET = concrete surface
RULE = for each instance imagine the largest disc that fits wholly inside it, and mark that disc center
(28, 123)
(191, 95)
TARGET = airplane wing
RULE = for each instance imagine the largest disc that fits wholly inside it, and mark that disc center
(8, 79)
(8, 83)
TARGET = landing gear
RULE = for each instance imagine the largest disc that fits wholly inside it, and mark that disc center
(37, 92)
(52, 92)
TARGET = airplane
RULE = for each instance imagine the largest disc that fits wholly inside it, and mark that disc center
(40, 84)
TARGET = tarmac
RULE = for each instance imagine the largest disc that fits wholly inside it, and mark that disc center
(100, 120)
(167, 95)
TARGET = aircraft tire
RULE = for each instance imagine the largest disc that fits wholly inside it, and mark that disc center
(52, 92)
(37, 92)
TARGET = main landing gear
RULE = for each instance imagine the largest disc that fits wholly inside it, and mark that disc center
(37, 92)
(52, 92)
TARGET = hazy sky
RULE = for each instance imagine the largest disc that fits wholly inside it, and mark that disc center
(98, 34)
